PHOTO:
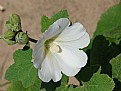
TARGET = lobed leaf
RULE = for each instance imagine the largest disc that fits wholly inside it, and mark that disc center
(23, 69)
(98, 82)
(102, 52)
(109, 24)
(116, 67)
(17, 86)
(46, 22)
(22, 55)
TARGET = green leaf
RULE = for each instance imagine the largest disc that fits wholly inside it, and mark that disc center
(116, 67)
(17, 86)
(98, 82)
(22, 55)
(114, 35)
(43, 90)
(66, 88)
(35, 87)
(64, 80)
(60, 14)
(62, 88)
(102, 52)
(46, 22)
(23, 69)
(109, 24)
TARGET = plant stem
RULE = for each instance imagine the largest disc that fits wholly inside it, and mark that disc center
(1, 85)
(1, 37)
(32, 40)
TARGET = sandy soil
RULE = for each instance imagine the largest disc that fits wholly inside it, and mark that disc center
(85, 11)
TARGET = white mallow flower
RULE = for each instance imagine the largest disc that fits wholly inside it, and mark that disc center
(57, 51)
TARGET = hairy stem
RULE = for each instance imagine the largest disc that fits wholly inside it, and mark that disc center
(32, 40)
(4, 84)
(1, 37)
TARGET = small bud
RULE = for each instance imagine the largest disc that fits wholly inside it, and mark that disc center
(14, 23)
(9, 41)
(22, 38)
(1, 36)
(14, 19)
(9, 34)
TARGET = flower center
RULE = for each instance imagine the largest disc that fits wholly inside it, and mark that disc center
(50, 45)
(55, 47)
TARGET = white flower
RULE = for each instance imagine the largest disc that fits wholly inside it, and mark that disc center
(57, 51)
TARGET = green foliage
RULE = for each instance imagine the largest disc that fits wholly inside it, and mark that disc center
(46, 22)
(23, 69)
(105, 45)
(116, 67)
(98, 82)
(14, 33)
(102, 72)
(110, 24)
(114, 35)
(101, 53)
(24, 72)
(17, 86)
(66, 88)
(64, 80)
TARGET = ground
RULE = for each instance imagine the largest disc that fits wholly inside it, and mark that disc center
(86, 12)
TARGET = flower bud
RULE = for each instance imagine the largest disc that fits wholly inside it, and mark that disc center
(1, 36)
(14, 19)
(22, 38)
(9, 41)
(9, 34)
(14, 23)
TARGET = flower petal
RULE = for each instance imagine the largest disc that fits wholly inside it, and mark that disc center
(71, 33)
(71, 60)
(73, 57)
(38, 57)
(39, 53)
(65, 68)
(56, 28)
(82, 42)
(49, 69)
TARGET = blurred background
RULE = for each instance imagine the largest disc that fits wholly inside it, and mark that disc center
(86, 12)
